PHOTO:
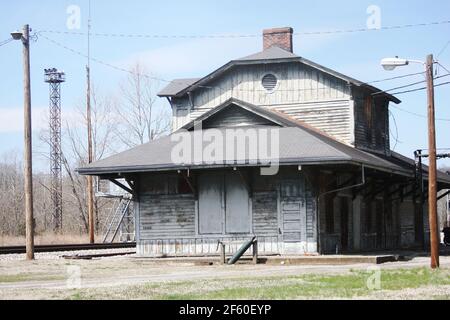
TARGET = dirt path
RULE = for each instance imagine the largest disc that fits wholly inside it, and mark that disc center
(41, 278)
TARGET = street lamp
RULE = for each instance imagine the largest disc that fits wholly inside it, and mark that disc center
(391, 64)
(24, 36)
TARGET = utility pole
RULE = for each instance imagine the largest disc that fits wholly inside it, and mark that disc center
(432, 175)
(90, 187)
(28, 168)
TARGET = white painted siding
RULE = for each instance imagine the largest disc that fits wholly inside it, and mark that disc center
(305, 93)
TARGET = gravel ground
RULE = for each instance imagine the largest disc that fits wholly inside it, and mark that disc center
(45, 256)
(50, 276)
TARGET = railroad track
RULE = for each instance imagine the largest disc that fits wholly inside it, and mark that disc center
(68, 247)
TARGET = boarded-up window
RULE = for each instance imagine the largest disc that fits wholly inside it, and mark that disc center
(210, 211)
(237, 214)
(223, 204)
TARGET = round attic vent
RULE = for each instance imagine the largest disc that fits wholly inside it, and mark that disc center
(269, 82)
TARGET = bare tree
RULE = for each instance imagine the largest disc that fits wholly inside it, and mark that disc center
(75, 151)
(118, 123)
(139, 119)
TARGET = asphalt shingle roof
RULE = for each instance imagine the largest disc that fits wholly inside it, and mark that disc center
(297, 144)
(179, 87)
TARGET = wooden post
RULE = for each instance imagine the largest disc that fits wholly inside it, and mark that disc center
(255, 252)
(432, 175)
(90, 187)
(223, 259)
(28, 168)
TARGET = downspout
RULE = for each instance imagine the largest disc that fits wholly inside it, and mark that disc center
(363, 182)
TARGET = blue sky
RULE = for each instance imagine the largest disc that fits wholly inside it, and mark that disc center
(354, 54)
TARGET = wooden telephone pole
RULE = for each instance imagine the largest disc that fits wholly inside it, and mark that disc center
(90, 187)
(432, 175)
(28, 168)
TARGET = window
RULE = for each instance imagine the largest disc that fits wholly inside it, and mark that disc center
(269, 82)
(223, 204)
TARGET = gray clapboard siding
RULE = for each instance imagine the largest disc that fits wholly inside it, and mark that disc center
(297, 84)
(166, 216)
(332, 117)
(311, 220)
(234, 116)
(265, 213)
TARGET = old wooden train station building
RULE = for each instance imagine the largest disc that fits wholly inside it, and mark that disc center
(339, 186)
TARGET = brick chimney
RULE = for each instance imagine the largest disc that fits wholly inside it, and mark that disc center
(280, 37)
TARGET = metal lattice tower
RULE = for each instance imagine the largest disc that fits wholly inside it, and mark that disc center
(54, 78)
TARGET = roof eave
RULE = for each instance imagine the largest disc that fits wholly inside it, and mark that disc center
(98, 171)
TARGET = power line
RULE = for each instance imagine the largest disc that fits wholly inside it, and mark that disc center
(327, 32)
(2, 43)
(419, 89)
(100, 61)
(443, 49)
(443, 67)
(409, 85)
(217, 87)
(396, 77)
(201, 86)
(418, 114)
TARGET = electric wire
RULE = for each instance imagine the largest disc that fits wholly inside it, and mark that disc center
(409, 85)
(4, 42)
(418, 114)
(422, 88)
(326, 32)
(200, 86)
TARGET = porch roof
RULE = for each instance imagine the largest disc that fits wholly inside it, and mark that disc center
(297, 146)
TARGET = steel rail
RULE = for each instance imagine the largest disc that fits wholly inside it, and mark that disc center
(67, 247)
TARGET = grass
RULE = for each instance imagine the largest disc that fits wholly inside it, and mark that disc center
(22, 277)
(351, 285)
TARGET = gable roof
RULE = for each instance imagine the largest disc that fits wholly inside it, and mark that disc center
(298, 145)
(274, 54)
(261, 112)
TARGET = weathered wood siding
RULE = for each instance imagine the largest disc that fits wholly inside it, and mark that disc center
(407, 229)
(371, 122)
(233, 117)
(333, 117)
(168, 220)
(265, 213)
(305, 93)
(163, 216)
